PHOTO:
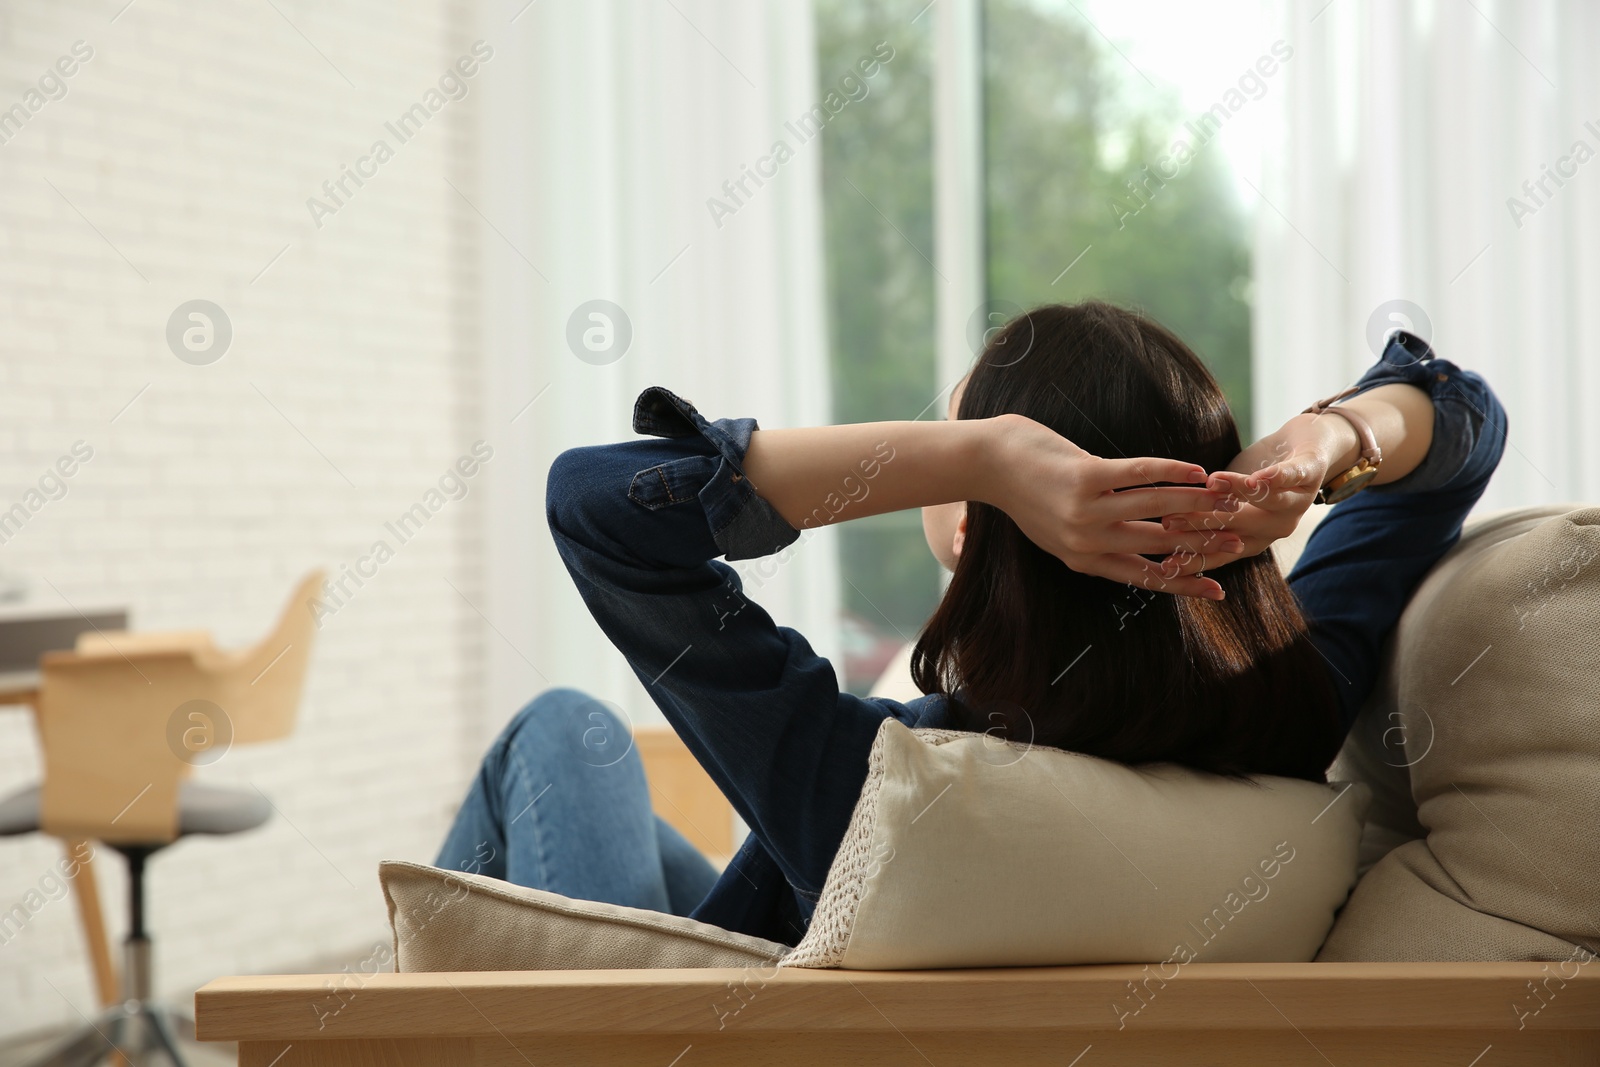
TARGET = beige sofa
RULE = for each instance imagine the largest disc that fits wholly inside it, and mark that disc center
(1467, 940)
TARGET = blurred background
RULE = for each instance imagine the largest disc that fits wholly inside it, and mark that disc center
(273, 269)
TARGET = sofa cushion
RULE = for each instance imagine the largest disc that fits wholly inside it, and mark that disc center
(1496, 692)
(1375, 752)
(454, 921)
(966, 851)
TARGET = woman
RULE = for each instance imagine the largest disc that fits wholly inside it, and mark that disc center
(1111, 594)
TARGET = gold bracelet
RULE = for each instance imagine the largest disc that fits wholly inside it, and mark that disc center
(1349, 482)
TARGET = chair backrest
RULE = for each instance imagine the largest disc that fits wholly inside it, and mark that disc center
(124, 718)
(262, 684)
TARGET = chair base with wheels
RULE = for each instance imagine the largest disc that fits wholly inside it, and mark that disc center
(138, 1025)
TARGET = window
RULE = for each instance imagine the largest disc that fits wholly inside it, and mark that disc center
(1086, 194)
(877, 189)
(1082, 108)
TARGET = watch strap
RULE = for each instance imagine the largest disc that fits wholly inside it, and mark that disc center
(1369, 440)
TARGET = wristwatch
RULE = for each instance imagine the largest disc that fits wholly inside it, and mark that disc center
(1349, 482)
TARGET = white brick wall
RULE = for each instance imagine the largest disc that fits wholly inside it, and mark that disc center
(191, 141)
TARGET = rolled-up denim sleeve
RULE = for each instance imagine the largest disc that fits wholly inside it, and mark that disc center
(639, 526)
(1363, 562)
(1462, 406)
(743, 525)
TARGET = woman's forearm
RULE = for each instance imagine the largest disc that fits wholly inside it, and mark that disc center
(1093, 514)
(1402, 421)
(825, 474)
(1401, 417)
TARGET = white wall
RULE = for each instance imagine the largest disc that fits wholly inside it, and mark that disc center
(190, 143)
(1406, 129)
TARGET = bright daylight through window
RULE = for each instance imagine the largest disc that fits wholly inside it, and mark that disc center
(1100, 180)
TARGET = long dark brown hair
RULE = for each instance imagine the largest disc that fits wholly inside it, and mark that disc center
(1028, 649)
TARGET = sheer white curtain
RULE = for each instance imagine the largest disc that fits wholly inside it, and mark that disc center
(1408, 132)
(601, 153)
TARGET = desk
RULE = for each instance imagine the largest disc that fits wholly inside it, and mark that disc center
(19, 687)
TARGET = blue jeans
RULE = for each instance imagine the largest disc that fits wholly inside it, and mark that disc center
(640, 526)
(560, 803)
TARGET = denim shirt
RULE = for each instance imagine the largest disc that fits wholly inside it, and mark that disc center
(641, 525)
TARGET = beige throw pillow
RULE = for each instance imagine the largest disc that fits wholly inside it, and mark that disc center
(454, 921)
(1490, 711)
(965, 851)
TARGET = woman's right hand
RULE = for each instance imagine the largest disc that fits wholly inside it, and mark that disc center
(1275, 480)
(1271, 500)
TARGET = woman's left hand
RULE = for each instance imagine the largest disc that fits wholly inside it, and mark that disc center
(1098, 516)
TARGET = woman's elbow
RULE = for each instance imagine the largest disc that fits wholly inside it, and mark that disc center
(1480, 424)
(571, 488)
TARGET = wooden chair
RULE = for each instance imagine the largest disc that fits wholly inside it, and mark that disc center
(683, 794)
(123, 719)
